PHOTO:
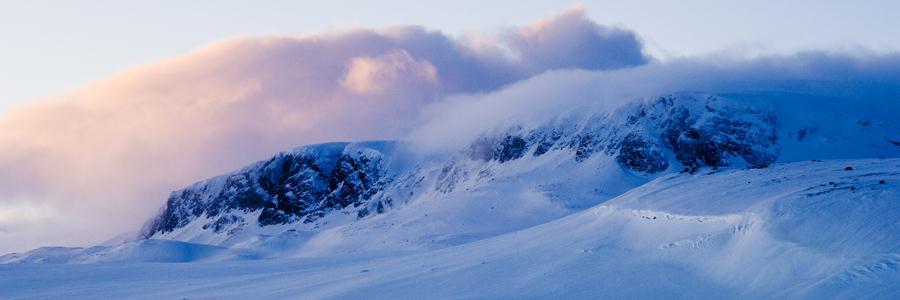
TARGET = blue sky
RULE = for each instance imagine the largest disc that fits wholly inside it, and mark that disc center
(54, 46)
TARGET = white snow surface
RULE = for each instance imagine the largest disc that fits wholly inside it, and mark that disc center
(808, 229)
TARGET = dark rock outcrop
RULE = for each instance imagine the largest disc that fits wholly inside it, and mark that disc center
(302, 185)
(697, 131)
(639, 155)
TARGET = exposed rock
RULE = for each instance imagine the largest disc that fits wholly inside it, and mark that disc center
(698, 131)
(499, 149)
(304, 184)
(642, 156)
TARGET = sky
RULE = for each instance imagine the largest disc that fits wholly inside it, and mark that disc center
(52, 47)
(126, 102)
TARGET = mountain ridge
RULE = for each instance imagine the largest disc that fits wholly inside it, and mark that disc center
(324, 186)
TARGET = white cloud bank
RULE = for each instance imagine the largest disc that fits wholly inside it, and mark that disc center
(83, 166)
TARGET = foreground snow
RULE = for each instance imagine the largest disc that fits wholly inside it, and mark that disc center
(805, 229)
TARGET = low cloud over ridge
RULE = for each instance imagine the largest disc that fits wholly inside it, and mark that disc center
(80, 167)
(867, 83)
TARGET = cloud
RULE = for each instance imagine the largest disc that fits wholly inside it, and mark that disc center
(571, 40)
(869, 82)
(100, 160)
(367, 75)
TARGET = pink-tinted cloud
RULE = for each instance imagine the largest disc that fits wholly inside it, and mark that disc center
(569, 40)
(372, 76)
(85, 165)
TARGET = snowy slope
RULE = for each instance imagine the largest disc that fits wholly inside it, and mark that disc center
(808, 229)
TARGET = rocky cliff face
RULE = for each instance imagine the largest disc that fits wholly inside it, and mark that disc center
(296, 186)
(695, 130)
(669, 133)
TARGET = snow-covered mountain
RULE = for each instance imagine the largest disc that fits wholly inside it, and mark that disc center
(385, 197)
(570, 162)
(316, 187)
(753, 194)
